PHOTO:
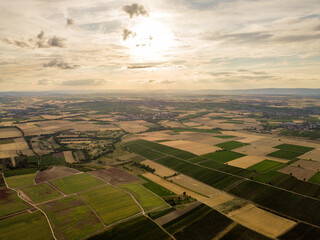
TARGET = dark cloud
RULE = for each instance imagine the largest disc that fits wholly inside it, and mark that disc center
(135, 10)
(139, 66)
(298, 38)
(40, 41)
(60, 64)
(127, 33)
(151, 81)
(83, 82)
(70, 22)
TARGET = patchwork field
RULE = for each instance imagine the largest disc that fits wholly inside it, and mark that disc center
(171, 186)
(156, 188)
(41, 192)
(193, 185)
(140, 228)
(148, 200)
(217, 199)
(133, 126)
(10, 202)
(262, 221)
(68, 156)
(29, 226)
(76, 183)
(115, 176)
(71, 218)
(53, 173)
(222, 156)
(159, 169)
(9, 133)
(20, 180)
(289, 151)
(264, 165)
(298, 172)
(110, 203)
(193, 147)
(246, 161)
(313, 154)
(231, 145)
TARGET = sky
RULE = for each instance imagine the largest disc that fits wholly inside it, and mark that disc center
(169, 44)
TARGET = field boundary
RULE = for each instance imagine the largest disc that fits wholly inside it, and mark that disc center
(51, 229)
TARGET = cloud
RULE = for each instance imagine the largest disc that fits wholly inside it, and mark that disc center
(40, 41)
(139, 66)
(83, 82)
(70, 22)
(166, 82)
(127, 33)
(60, 64)
(151, 81)
(240, 37)
(135, 9)
(43, 82)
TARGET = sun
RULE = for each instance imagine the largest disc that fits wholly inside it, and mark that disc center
(150, 40)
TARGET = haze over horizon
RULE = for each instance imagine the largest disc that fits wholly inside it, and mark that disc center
(177, 44)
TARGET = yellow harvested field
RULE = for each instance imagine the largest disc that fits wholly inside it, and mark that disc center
(155, 136)
(172, 124)
(217, 199)
(68, 156)
(193, 147)
(51, 117)
(260, 147)
(191, 124)
(261, 221)
(9, 133)
(133, 126)
(8, 154)
(313, 154)
(171, 186)
(246, 161)
(247, 138)
(298, 172)
(13, 146)
(194, 185)
(160, 169)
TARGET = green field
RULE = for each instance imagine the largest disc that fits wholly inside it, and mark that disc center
(265, 165)
(6, 141)
(21, 171)
(240, 232)
(301, 231)
(315, 178)
(27, 226)
(224, 136)
(110, 203)
(71, 218)
(51, 160)
(207, 227)
(41, 192)
(289, 151)
(148, 200)
(231, 145)
(19, 181)
(156, 188)
(76, 183)
(10, 202)
(140, 228)
(223, 156)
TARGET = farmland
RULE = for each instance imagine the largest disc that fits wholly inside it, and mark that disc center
(68, 214)
(110, 203)
(289, 151)
(41, 192)
(140, 228)
(76, 183)
(109, 167)
(34, 224)
(148, 200)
